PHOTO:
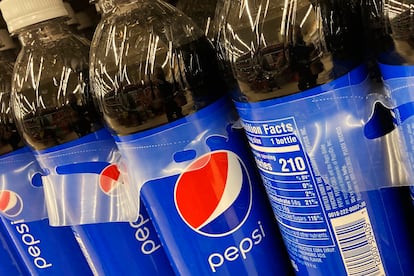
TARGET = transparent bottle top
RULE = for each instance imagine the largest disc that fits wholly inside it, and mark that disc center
(51, 96)
(150, 65)
(9, 137)
(278, 48)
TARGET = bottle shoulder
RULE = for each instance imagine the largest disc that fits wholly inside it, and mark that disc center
(274, 56)
(50, 60)
(47, 45)
(168, 25)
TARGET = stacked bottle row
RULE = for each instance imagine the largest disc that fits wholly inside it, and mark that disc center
(178, 140)
(329, 138)
(142, 120)
(57, 114)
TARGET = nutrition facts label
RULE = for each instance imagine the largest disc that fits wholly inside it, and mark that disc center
(315, 218)
(321, 172)
(289, 181)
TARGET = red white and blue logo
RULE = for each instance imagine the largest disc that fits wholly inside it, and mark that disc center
(214, 195)
(110, 179)
(11, 204)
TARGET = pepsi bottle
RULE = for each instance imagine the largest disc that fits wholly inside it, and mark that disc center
(57, 117)
(158, 86)
(42, 249)
(10, 261)
(318, 135)
(55, 113)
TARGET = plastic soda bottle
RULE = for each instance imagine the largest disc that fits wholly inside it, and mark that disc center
(159, 87)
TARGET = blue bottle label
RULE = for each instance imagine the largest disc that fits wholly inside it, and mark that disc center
(84, 182)
(21, 187)
(399, 83)
(203, 194)
(124, 248)
(47, 250)
(320, 157)
(43, 249)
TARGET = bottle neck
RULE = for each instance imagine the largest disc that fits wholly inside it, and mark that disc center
(46, 31)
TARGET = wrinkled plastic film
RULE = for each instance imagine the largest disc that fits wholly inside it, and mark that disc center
(21, 187)
(400, 90)
(338, 137)
(87, 184)
(180, 167)
(185, 147)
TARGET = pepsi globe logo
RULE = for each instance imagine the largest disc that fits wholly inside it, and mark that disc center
(109, 176)
(110, 179)
(214, 196)
(11, 204)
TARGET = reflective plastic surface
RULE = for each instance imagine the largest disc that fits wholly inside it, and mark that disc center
(147, 72)
(281, 47)
(51, 87)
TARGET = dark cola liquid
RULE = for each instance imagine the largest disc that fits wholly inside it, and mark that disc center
(324, 48)
(156, 100)
(9, 137)
(57, 120)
